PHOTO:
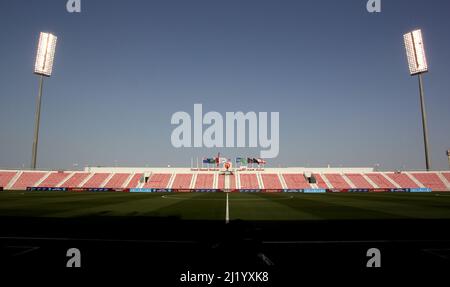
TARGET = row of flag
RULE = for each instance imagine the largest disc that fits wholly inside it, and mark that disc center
(249, 160)
(239, 160)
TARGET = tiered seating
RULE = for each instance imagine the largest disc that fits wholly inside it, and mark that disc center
(134, 181)
(271, 181)
(296, 181)
(359, 181)
(54, 179)
(5, 177)
(28, 179)
(249, 181)
(204, 181)
(430, 180)
(96, 180)
(446, 175)
(221, 181)
(336, 180)
(75, 180)
(380, 180)
(117, 180)
(320, 182)
(182, 181)
(158, 180)
(402, 180)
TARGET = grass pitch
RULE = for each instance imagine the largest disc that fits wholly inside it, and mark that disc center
(212, 206)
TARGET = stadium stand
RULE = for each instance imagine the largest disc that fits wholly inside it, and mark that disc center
(402, 180)
(446, 175)
(430, 180)
(359, 181)
(96, 180)
(28, 179)
(221, 181)
(75, 180)
(185, 179)
(336, 180)
(134, 182)
(182, 181)
(271, 181)
(54, 179)
(249, 181)
(157, 180)
(204, 181)
(117, 180)
(380, 180)
(6, 177)
(320, 182)
(296, 181)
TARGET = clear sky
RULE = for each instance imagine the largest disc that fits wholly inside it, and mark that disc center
(336, 74)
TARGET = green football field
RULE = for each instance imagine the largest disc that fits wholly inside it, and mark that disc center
(213, 206)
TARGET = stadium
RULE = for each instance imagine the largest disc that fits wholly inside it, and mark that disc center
(125, 74)
(264, 216)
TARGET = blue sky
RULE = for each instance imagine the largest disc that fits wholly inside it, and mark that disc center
(336, 74)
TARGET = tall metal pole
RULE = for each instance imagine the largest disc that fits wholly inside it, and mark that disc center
(37, 119)
(424, 123)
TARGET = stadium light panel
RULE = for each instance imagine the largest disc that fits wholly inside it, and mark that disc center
(415, 52)
(45, 54)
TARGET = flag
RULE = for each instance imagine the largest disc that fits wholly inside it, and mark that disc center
(238, 159)
(205, 160)
(211, 160)
(261, 161)
(249, 160)
(243, 160)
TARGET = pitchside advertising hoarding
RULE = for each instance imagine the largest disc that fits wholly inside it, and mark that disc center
(157, 190)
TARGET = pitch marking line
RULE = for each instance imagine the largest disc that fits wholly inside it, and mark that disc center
(227, 212)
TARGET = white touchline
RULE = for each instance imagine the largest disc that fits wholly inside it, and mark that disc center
(227, 212)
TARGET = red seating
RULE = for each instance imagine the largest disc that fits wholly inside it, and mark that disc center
(380, 180)
(446, 175)
(296, 181)
(204, 181)
(117, 180)
(320, 182)
(96, 180)
(249, 181)
(134, 181)
(182, 181)
(402, 180)
(54, 179)
(430, 180)
(359, 181)
(158, 180)
(221, 181)
(336, 180)
(271, 181)
(28, 179)
(75, 180)
(5, 177)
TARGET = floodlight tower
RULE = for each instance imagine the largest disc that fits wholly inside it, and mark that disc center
(417, 63)
(43, 67)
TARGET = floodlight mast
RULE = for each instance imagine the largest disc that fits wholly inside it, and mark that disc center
(43, 67)
(417, 63)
